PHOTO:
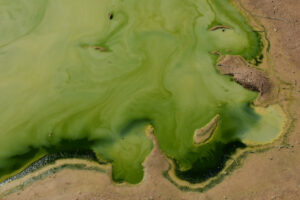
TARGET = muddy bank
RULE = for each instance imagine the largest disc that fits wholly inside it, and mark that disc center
(246, 75)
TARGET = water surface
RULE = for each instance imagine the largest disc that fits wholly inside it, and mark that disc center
(102, 70)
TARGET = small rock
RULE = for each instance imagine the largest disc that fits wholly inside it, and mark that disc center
(273, 197)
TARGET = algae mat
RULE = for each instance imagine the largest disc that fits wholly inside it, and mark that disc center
(91, 75)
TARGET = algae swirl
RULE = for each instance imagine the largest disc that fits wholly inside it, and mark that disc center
(100, 71)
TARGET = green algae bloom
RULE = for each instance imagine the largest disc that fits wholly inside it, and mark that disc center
(103, 70)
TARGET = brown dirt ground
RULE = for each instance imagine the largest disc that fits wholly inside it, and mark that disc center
(246, 75)
(271, 175)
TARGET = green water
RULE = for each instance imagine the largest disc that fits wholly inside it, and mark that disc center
(102, 70)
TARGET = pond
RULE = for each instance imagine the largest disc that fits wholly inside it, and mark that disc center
(102, 71)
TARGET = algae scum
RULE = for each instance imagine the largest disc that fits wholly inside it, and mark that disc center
(92, 75)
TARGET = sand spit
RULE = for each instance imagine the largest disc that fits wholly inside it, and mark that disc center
(219, 27)
(245, 74)
(203, 134)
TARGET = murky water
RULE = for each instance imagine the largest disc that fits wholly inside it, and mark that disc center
(102, 70)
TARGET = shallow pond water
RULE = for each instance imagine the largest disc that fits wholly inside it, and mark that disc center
(103, 70)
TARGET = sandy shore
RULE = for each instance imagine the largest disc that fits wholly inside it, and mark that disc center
(271, 175)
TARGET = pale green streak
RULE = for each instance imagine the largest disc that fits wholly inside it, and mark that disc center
(269, 125)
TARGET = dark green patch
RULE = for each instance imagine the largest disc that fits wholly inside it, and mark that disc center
(65, 149)
(209, 164)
